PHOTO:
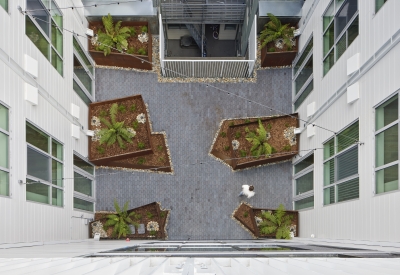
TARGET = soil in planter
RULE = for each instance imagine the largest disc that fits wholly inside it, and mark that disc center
(133, 41)
(246, 220)
(277, 50)
(129, 117)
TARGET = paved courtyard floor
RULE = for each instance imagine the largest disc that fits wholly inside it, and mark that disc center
(201, 196)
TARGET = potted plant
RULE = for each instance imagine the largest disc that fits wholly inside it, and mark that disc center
(278, 44)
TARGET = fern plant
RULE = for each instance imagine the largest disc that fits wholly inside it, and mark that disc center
(274, 30)
(113, 37)
(121, 220)
(259, 141)
(115, 131)
(277, 223)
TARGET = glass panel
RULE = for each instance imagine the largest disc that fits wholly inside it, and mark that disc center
(56, 14)
(3, 118)
(83, 205)
(379, 4)
(387, 179)
(78, 162)
(328, 16)
(306, 51)
(329, 172)
(387, 113)
(338, 3)
(57, 39)
(387, 146)
(82, 55)
(36, 9)
(347, 137)
(329, 149)
(304, 95)
(348, 190)
(37, 192)
(352, 32)
(304, 75)
(329, 62)
(344, 16)
(82, 184)
(340, 46)
(304, 203)
(81, 93)
(3, 150)
(56, 149)
(37, 138)
(347, 164)
(329, 195)
(305, 183)
(37, 38)
(57, 173)
(329, 39)
(304, 164)
(4, 4)
(38, 165)
(83, 76)
(4, 184)
(56, 196)
(56, 61)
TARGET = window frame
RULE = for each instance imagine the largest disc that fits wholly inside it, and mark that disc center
(51, 158)
(375, 3)
(92, 177)
(296, 176)
(4, 169)
(381, 130)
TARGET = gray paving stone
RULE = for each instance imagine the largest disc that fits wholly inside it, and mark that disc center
(201, 196)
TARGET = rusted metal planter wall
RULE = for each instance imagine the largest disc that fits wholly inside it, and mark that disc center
(276, 59)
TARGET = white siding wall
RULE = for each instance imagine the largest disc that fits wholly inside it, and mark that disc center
(29, 221)
(371, 217)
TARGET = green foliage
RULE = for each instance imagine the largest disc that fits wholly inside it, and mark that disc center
(274, 30)
(269, 127)
(121, 220)
(226, 148)
(140, 145)
(247, 121)
(149, 215)
(243, 153)
(271, 50)
(222, 134)
(287, 125)
(122, 108)
(133, 108)
(231, 123)
(132, 31)
(273, 151)
(246, 214)
(238, 134)
(161, 159)
(131, 50)
(103, 113)
(277, 223)
(153, 233)
(100, 149)
(144, 29)
(142, 51)
(113, 37)
(287, 147)
(114, 131)
(162, 214)
(259, 141)
(135, 124)
(160, 147)
(141, 161)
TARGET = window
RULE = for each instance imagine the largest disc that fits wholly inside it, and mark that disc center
(83, 80)
(44, 27)
(231, 27)
(4, 4)
(83, 184)
(378, 4)
(44, 167)
(387, 146)
(4, 149)
(303, 75)
(304, 183)
(341, 166)
(340, 26)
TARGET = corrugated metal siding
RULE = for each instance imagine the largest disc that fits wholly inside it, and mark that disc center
(370, 217)
(28, 221)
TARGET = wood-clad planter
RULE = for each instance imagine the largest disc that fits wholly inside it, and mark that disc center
(94, 109)
(115, 59)
(278, 58)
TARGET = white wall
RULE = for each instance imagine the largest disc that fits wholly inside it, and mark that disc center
(29, 221)
(371, 217)
(226, 34)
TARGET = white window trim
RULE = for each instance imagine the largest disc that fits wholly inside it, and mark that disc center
(310, 193)
(91, 199)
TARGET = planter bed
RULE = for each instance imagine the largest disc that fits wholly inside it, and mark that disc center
(159, 215)
(279, 57)
(242, 157)
(249, 222)
(103, 154)
(117, 59)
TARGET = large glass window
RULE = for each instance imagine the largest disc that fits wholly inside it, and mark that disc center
(83, 184)
(4, 151)
(341, 166)
(44, 27)
(387, 146)
(304, 183)
(44, 167)
(340, 27)
(83, 80)
(4, 4)
(379, 4)
(303, 74)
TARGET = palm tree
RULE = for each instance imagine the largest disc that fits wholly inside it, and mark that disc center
(121, 220)
(278, 223)
(274, 30)
(259, 141)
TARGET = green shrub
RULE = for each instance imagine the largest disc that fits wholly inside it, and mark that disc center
(243, 153)
(142, 51)
(149, 215)
(231, 123)
(259, 141)
(121, 220)
(162, 214)
(101, 150)
(160, 147)
(141, 161)
(269, 127)
(144, 29)
(273, 150)
(238, 134)
(277, 223)
(287, 125)
(122, 108)
(140, 145)
(287, 147)
(131, 50)
(226, 148)
(271, 50)
(222, 134)
(133, 107)
(153, 233)
(247, 121)
(103, 113)
(274, 30)
(246, 214)
(161, 159)
(133, 31)
(135, 124)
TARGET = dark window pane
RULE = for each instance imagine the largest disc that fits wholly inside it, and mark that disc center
(304, 164)
(304, 95)
(37, 192)
(387, 113)
(38, 165)
(3, 150)
(329, 39)
(387, 179)
(78, 162)
(37, 138)
(387, 146)
(348, 137)
(304, 203)
(83, 205)
(4, 4)
(340, 47)
(82, 55)
(56, 196)
(303, 76)
(348, 190)
(37, 38)
(328, 16)
(329, 172)
(82, 185)
(57, 173)
(352, 32)
(56, 14)
(4, 184)
(81, 93)
(83, 76)
(56, 61)
(57, 39)
(329, 62)
(344, 16)
(347, 164)
(329, 195)
(329, 149)
(303, 56)
(379, 4)
(3, 118)
(56, 149)
(36, 9)
(305, 183)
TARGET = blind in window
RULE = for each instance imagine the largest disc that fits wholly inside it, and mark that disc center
(348, 190)
(348, 137)
(329, 172)
(329, 195)
(329, 149)
(347, 164)
(304, 164)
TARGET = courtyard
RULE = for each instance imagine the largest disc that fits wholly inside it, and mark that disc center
(203, 192)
